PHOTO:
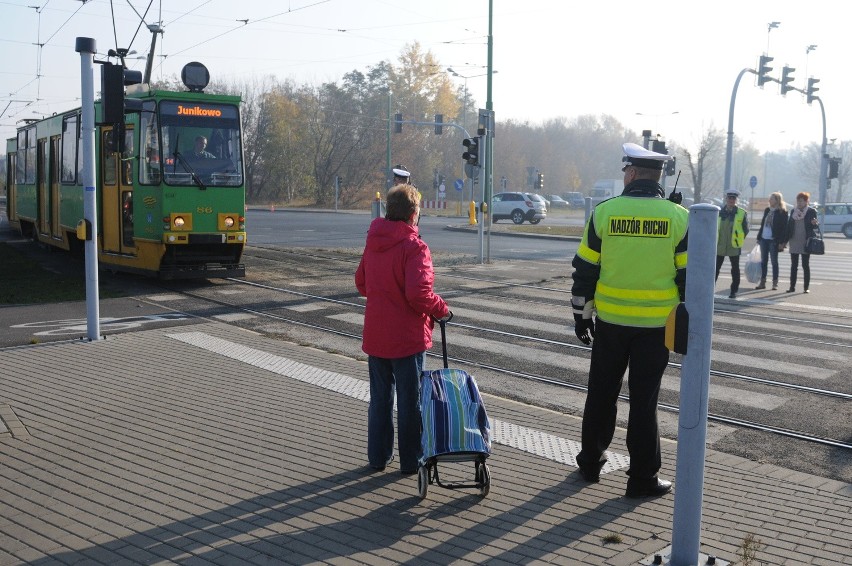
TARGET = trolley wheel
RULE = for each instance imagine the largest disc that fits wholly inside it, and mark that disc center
(486, 481)
(422, 481)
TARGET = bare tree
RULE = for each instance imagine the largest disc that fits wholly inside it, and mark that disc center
(704, 164)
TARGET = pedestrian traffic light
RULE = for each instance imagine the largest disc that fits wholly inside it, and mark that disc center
(397, 123)
(113, 105)
(786, 79)
(539, 182)
(833, 167)
(439, 124)
(671, 166)
(471, 153)
(812, 89)
(764, 69)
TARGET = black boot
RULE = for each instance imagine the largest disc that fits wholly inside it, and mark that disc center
(762, 284)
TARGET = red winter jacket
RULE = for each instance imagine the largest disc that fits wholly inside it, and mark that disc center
(396, 276)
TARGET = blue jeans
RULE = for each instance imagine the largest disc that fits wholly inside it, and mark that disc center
(768, 249)
(402, 375)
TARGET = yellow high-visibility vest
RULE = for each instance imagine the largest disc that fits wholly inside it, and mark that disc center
(638, 259)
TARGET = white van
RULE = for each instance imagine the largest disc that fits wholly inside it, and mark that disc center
(605, 188)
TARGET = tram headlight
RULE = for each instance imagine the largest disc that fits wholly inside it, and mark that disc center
(179, 221)
(229, 222)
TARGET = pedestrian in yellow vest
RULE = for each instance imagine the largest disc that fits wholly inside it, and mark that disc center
(733, 228)
(630, 270)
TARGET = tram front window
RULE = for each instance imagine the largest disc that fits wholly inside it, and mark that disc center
(201, 142)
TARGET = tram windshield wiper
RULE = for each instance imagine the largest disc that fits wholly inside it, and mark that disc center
(186, 166)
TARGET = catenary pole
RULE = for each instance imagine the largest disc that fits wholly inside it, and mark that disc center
(86, 47)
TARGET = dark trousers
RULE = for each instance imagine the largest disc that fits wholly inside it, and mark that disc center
(402, 376)
(615, 348)
(806, 269)
(735, 270)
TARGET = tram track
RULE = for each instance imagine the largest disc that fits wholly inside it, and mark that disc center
(532, 377)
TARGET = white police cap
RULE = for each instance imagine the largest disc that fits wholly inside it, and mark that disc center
(734, 192)
(401, 171)
(638, 156)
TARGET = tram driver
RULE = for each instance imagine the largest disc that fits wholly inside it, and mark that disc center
(200, 149)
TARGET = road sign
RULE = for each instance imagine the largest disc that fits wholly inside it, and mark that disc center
(471, 171)
(752, 182)
(458, 184)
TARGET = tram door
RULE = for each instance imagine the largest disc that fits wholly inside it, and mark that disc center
(42, 188)
(53, 180)
(117, 196)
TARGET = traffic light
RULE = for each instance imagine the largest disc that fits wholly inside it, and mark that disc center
(113, 105)
(833, 167)
(397, 123)
(812, 89)
(764, 69)
(539, 182)
(471, 153)
(786, 79)
(671, 166)
(659, 146)
(439, 124)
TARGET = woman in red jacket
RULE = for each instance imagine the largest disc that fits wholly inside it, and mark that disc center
(396, 276)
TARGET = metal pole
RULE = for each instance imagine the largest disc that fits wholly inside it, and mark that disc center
(729, 150)
(488, 186)
(823, 166)
(694, 386)
(388, 178)
(86, 47)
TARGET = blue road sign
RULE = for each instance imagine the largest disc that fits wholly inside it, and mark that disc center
(752, 182)
(458, 184)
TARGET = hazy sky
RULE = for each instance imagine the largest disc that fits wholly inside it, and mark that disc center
(673, 62)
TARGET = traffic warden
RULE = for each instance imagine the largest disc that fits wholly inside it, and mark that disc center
(732, 230)
(630, 270)
(401, 175)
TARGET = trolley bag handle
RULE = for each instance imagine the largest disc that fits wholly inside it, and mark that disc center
(442, 322)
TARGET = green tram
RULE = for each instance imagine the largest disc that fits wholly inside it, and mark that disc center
(170, 205)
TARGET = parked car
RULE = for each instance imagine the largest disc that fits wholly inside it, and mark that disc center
(575, 199)
(557, 201)
(518, 207)
(838, 218)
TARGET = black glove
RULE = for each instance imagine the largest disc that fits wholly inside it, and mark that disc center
(584, 328)
(676, 198)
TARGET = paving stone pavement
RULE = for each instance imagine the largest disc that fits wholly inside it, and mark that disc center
(208, 444)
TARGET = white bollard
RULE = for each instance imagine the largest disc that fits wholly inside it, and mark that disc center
(694, 385)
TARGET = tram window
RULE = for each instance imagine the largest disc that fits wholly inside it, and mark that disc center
(70, 137)
(127, 159)
(26, 166)
(108, 161)
(149, 163)
(219, 124)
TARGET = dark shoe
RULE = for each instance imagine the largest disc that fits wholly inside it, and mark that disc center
(733, 295)
(591, 474)
(408, 472)
(642, 487)
(382, 468)
(761, 285)
(775, 285)
(791, 290)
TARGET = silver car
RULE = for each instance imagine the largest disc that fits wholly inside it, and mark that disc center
(518, 207)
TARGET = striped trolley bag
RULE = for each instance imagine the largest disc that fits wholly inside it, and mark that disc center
(455, 425)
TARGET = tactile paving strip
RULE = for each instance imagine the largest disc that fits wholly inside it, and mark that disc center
(529, 440)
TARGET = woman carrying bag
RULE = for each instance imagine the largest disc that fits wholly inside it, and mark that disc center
(800, 227)
(772, 237)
